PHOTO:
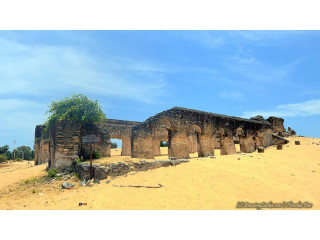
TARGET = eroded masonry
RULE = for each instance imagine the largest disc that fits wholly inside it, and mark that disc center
(186, 131)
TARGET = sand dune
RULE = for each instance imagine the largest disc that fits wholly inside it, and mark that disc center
(291, 174)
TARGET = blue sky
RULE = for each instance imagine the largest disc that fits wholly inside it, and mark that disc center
(136, 74)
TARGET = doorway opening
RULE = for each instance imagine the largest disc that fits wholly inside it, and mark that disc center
(116, 146)
(217, 144)
(164, 146)
(236, 141)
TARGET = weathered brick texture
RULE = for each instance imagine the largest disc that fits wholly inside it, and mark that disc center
(196, 131)
(187, 131)
(41, 145)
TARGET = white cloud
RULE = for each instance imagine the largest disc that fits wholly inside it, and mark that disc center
(308, 108)
(33, 75)
(37, 70)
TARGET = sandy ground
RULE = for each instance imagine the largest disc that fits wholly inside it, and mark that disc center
(13, 172)
(291, 174)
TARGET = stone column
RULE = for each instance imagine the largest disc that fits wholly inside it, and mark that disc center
(206, 145)
(227, 145)
(156, 147)
(193, 144)
(267, 137)
(247, 144)
(179, 144)
(142, 144)
(126, 147)
(264, 138)
(108, 149)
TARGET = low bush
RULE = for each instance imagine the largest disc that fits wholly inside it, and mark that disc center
(3, 158)
(52, 172)
(96, 155)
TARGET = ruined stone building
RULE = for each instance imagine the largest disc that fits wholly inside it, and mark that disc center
(186, 131)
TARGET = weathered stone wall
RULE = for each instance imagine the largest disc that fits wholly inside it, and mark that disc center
(102, 171)
(41, 145)
(103, 147)
(190, 130)
(158, 136)
(187, 131)
(277, 140)
(64, 144)
(277, 124)
(120, 129)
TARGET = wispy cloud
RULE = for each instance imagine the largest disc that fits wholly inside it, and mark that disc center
(18, 120)
(308, 108)
(238, 96)
(265, 37)
(31, 75)
(314, 92)
(256, 71)
(48, 70)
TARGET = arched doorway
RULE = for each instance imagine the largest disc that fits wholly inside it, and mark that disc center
(162, 137)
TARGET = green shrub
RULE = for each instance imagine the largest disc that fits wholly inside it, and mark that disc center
(96, 155)
(52, 172)
(3, 158)
(78, 160)
(77, 109)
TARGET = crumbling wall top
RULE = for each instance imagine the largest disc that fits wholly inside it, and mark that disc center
(202, 117)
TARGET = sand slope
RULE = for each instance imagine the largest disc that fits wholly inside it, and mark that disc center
(14, 172)
(291, 174)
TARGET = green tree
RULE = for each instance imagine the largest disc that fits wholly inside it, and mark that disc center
(9, 155)
(25, 152)
(4, 149)
(77, 109)
(3, 158)
(114, 145)
(164, 144)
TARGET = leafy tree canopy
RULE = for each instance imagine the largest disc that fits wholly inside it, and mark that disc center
(77, 109)
(114, 145)
(4, 149)
(164, 144)
(25, 152)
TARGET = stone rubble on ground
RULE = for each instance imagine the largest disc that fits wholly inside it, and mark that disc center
(67, 185)
(102, 171)
(83, 183)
